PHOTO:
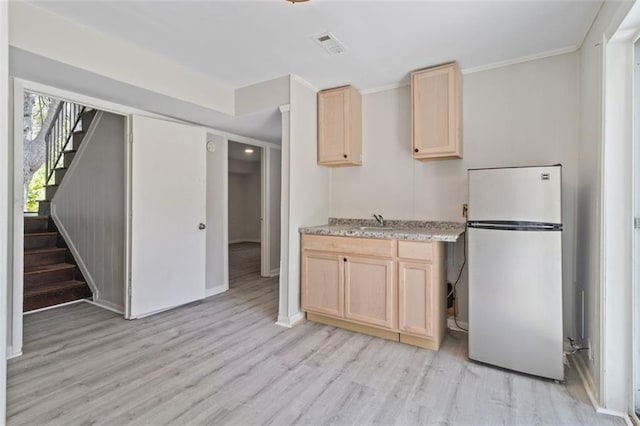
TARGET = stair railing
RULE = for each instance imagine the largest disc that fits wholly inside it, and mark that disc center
(66, 120)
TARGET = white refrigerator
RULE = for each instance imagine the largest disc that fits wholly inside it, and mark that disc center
(515, 269)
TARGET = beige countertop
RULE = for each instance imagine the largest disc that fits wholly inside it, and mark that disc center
(393, 229)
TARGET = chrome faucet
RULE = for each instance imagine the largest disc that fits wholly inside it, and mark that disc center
(379, 219)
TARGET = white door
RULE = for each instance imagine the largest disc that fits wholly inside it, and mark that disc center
(168, 208)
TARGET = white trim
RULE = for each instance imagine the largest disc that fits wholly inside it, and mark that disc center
(47, 308)
(589, 385)
(398, 85)
(5, 205)
(522, 59)
(265, 215)
(291, 321)
(104, 304)
(602, 235)
(232, 137)
(285, 108)
(274, 272)
(56, 219)
(480, 68)
(304, 83)
(13, 355)
(451, 325)
(128, 173)
(215, 290)
(18, 220)
(245, 240)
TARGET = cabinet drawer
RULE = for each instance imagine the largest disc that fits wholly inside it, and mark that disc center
(415, 250)
(348, 245)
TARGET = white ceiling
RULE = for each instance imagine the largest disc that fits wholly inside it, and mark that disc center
(243, 42)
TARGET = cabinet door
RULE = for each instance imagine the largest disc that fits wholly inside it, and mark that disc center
(370, 295)
(323, 283)
(333, 126)
(417, 298)
(435, 112)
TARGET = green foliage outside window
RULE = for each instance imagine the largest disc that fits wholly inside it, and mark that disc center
(36, 190)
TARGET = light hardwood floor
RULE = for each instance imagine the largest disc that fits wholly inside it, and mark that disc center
(224, 361)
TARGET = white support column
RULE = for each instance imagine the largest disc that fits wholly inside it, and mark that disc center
(4, 200)
(284, 314)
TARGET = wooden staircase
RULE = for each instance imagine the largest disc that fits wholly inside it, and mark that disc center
(51, 274)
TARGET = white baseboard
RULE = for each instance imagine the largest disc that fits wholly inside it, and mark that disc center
(215, 290)
(106, 305)
(245, 240)
(11, 355)
(451, 325)
(589, 387)
(291, 321)
(73, 302)
(274, 272)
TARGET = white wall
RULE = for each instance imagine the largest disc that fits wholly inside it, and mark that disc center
(4, 198)
(41, 32)
(217, 269)
(89, 209)
(263, 95)
(524, 114)
(589, 240)
(308, 197)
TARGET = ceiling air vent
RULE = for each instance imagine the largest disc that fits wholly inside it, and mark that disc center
(330, 43)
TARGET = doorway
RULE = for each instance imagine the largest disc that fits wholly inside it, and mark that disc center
(254, 187)
(245, 210)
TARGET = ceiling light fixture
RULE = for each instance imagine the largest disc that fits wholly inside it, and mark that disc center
(297, 1)
(248, 151)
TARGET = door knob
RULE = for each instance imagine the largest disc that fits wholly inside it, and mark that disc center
(202, 226)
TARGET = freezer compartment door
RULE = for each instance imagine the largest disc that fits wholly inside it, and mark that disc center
(529, 194)
(515, 300)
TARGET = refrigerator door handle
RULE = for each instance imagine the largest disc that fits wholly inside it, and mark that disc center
(506, 225)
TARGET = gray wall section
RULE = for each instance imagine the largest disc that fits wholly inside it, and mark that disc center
(275, 167)
(236, 207)
(263, 125)
(245, 203)
(90, 208)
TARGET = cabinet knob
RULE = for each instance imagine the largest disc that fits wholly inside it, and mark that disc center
(416, 150)
(345, 156)
(344, 259)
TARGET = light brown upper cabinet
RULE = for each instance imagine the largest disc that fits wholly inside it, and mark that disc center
(435, 107)
(340, 127)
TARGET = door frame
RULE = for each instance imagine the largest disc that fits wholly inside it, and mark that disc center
(267, 150)
(635, 290)
(20, 86)
(15, 248)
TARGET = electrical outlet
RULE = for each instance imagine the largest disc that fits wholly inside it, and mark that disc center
(465, 208)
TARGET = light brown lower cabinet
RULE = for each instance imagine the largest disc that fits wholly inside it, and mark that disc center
(387, 288)
(417, 297)
(370, 291)
(323, 287)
